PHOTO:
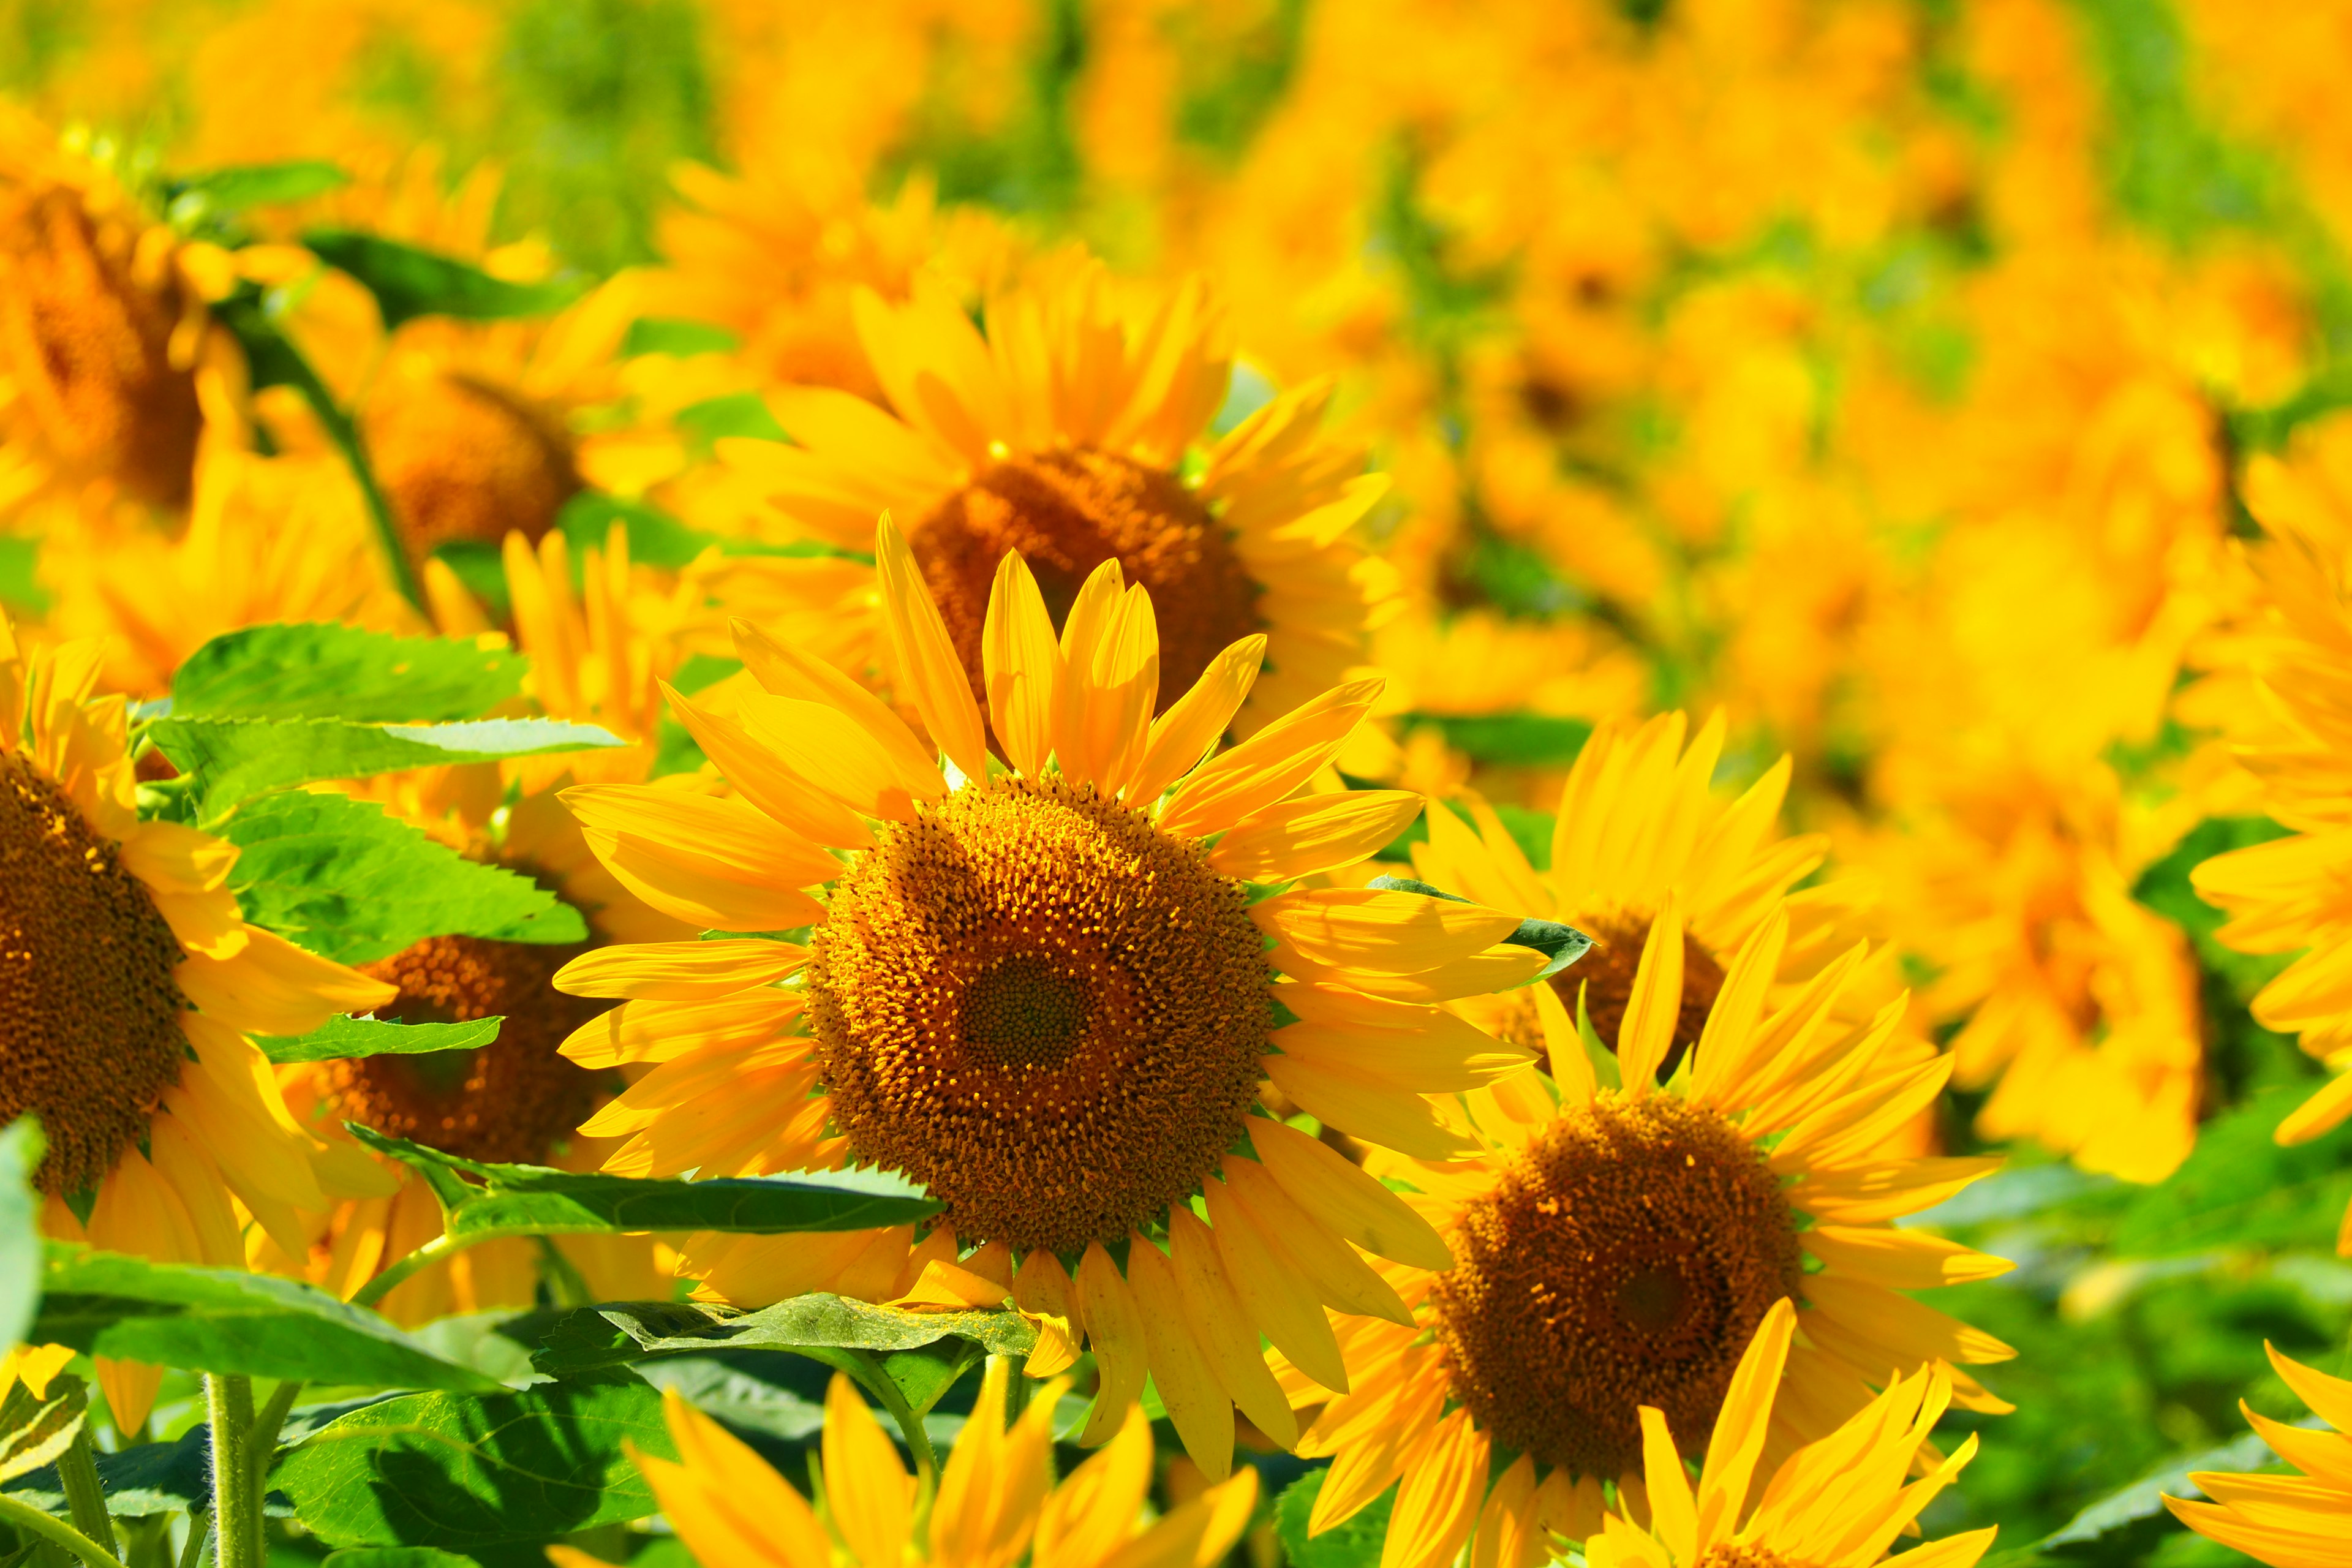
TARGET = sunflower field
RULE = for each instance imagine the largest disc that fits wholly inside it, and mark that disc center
(1175, 784)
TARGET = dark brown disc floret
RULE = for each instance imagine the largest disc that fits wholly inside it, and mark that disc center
(1623, 1258)
(1605, 976)
(1067, 513)
(1034, 1001)
(512, 1099)
(89, 1010)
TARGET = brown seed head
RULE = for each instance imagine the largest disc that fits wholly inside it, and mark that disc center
(1606, 976)
(1624, 1259)
(1037, 1003)
(90, 1011)
(460, 458)
(87, 344)
(1068, 513)
(511, 1100)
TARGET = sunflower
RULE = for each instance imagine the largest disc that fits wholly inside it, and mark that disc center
(1615, 1247)
(597, 653)
(2288, 895)
(1067, 432)
(997, 1498)
(1838, 1503)
(129, 981)
(2290, 1522)
(110, 370)
(1048, 991)
(1639, 820)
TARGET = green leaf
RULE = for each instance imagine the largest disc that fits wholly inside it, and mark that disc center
(744, 413)
(1353, 1543)
(409, 282)
(670, 335)
(458, 1471)
(655, 537)
(1511, 740)
(344, 1036)
(237, 759)
(539, 1201)
(396, 1557)
(192, 199)
(317, 670)
(36, 1428)
(20, 1231)
(20, 582)
(354, 883)
(226, 1320)
(479, 565)
(620, 1332)
(2239, 1189)
(1560, 944)
(2144, 1498)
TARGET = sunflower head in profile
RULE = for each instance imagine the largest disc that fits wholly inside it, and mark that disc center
(997, 1502)
(598, 649)
(1617, 1240)
(1052, 987)
(1074, 431)
(129, 984)
(105, 340)
(1839, 1503)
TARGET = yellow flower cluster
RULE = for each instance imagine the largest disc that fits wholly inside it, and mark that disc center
(1420, 719)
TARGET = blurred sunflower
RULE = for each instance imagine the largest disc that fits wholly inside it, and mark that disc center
(1067, 432)
(2289, 1521)
(129, 981)
(1615, 1247)
(595, 658)
(997, 1502)
(110, 370)
(2288, 895)
(1839, 1503)
(1039, 990)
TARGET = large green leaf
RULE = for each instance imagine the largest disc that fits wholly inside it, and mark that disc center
(1508, 739)
(34, 1429)
(226, 1320)
(236, 759)
(20, 1233)
(215, 193)
(2239, 1189)
(658, 539)
(344, 1036)
(318, 670)
(537, 1200)
(354, 883)
(458, 1471)
(1353, 1543)
(2144, 1498)
(409, 282)
(396, 1557)
(619, 1331)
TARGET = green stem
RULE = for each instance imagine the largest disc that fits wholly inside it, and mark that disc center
(266, 1425)
(345, 434)
(911, 1424)
(424, 1256)
(85, 1494)
(192, 1550)
(236, 1502)
(57, 1533)
(564, 1280)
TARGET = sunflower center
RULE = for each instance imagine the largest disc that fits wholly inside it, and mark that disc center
(1039, 1005)
(1624, 1259)
(88, 345)
(1067, 513)
(1605, 974)
(462, 459)
(512, 1099)
(90, 1011)
(1732, 1554)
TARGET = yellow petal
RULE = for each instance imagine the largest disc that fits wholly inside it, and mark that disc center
(1274, 1293)
(1340, 1277)
(725, 1502)
(1741, 1428)
(678, 971)
(1271, 763)
(1348, 1201)
(273, 987)
(840, 756)
(1194, 721)
(1378, 931)
(1196, 1402)
(870, 1496)
(925, 657)
(1021, 663)
(173, 858)
(1438, 1504)
(1083, 631)
(762, 776)
(1366, 1108)
(1294, 838)
(1901, 1260)
(1656, 1002)
(1228, 1335)
(1115, 1332)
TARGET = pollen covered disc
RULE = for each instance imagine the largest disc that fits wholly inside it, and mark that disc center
(1039, 1005)
(1067, 513)
(509, 1100)
(1624, 1258)
(90, 1011)
(460, 458)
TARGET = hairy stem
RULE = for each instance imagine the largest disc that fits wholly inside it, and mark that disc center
(237, 1501)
